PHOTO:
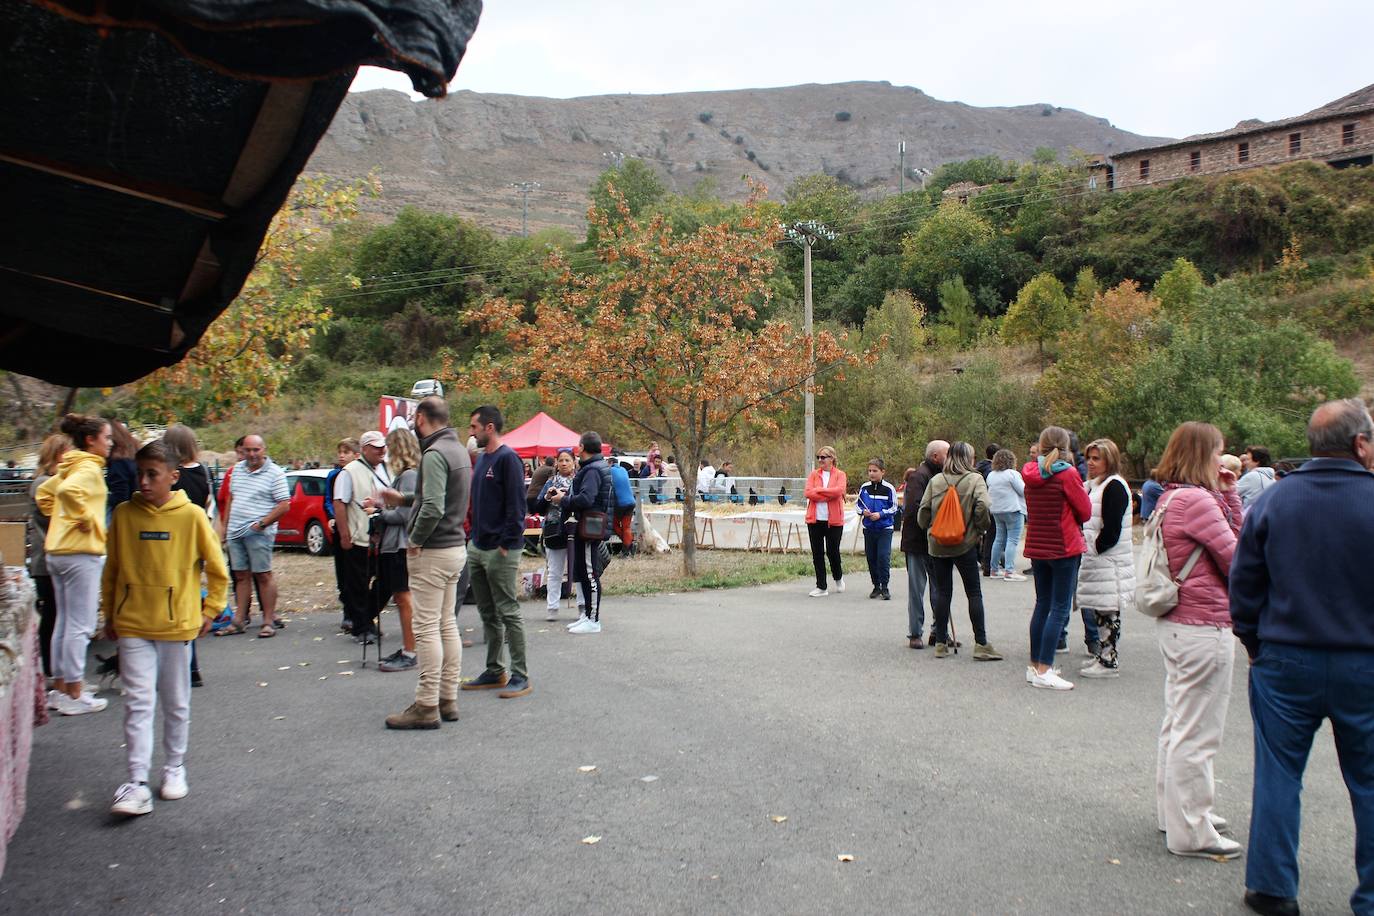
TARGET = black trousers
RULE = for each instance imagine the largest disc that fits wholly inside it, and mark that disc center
(942, 592)
(586, 573)
(340, 563)
(985, 550)
(357, 596)
(47, 619)
(825, 543)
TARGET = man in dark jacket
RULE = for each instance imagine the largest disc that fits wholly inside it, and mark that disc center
(914, 540)
(592, 491)
(1299, 592)
(985, 545)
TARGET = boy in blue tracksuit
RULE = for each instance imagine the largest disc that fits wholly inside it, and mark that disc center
(878, 508)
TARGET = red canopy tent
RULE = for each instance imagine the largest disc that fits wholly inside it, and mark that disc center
(542, 436)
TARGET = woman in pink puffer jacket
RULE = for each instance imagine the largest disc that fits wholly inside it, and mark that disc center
(1201, 512)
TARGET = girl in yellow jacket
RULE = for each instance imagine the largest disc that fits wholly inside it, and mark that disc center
(159, 543)
(74, 500)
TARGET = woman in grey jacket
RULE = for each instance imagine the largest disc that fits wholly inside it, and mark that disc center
(393, 578)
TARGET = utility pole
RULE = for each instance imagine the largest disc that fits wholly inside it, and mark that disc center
(525, 187)
(901, 166)
(806, 234)
(616, 159)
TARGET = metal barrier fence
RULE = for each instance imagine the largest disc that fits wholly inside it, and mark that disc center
(749, 491)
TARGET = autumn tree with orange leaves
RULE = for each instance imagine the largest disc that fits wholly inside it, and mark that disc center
(664, 332)
(248, 352)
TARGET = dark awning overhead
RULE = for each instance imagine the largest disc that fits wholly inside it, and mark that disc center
(145, 146)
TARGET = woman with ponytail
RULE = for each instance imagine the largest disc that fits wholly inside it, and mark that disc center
(74, 501)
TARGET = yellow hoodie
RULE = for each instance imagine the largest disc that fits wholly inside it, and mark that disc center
(75, 494)
(151, 585)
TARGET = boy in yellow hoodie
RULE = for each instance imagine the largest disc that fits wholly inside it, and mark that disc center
(150, 593)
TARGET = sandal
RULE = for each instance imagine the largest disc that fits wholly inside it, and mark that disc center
(267, 632)
(234, 629)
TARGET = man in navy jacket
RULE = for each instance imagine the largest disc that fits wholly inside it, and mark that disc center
(1300, 603)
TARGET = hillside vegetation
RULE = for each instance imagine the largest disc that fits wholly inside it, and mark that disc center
(1119, 314)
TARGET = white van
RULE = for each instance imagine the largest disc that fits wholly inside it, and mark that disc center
(426, 387)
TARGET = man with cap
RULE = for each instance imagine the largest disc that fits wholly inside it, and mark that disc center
(357, 482)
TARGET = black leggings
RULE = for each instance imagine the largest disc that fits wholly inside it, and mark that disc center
(586, 573)
(47, 619)
(825, 542)
(942, 592)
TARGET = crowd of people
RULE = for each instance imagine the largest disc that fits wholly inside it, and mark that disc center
(1271, 556)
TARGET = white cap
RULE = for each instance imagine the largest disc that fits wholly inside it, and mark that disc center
(373, 438)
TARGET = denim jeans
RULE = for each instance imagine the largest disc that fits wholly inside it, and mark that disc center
(942, 593)
(1054, 586)
(917, 571)
(1092, 636)
(878, 550)
(1008, 538)
(1292, 689)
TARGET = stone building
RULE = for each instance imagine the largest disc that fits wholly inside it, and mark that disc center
(1340, 133)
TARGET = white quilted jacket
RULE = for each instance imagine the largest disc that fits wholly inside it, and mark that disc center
(1106, 581)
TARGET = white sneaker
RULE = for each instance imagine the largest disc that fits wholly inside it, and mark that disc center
(1030, 672)
(53, 698)
(818, 593)
(1051, 680)
(839, 586)
(581, 618)
(587, 626)
(132, 799)
(1013, 577)
(551, 614)
(173, 783)
(81, 705)
(1095, 668)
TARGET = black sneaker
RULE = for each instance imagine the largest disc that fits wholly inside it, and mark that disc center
(346, 626)
(875, 593)
(886, 595)
(399, 662)
(278, 623)
(487, 681)
(1063, 645)
(196, 680)
(366, 639)
(393, 656)
(517, 687)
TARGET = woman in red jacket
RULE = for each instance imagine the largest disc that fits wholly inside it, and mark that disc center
(1057, 505)
(1201, 513)
(825, 489)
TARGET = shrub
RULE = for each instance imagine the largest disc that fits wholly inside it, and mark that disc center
(705, 117)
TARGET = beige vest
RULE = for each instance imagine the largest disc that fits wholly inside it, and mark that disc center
(365, 483)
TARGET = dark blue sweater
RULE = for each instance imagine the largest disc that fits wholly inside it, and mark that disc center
(498, 500)
(1301, 570)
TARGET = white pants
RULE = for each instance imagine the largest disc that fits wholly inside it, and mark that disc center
(434, 576)
(554, 574)
(1198, 664)
(76, 587)
(155, 672)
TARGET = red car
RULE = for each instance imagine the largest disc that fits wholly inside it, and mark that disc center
(306, 524)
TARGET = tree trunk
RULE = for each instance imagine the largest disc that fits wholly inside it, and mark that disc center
(67, 402)
(688, 465)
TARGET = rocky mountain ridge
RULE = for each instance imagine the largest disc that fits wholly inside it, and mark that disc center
(461, 154)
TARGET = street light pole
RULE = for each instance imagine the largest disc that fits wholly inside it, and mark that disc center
(525, 187)
(806, 234)
(901, 166)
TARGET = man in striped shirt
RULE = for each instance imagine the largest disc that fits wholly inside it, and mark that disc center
(258, 497)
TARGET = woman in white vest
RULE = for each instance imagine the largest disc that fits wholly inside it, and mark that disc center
(1106, 581)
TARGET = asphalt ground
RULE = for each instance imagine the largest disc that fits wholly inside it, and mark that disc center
(709, 717)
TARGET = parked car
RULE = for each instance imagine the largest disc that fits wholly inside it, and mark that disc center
(426, 387)
(305, 523)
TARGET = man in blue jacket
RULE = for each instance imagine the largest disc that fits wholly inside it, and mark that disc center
(1300, 604)
(624, 506)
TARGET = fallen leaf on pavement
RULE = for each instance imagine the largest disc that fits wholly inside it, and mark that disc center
(284, 668)
(324, 677)
(319, 639)
(319, 584)
(1113, 861)
(650, 778)
(591, 840)
(278, 718)
(845, 857)
(778, 818)
(262, 683)
(343, 661)
(586, 769)
(302, 664)
(345, 674)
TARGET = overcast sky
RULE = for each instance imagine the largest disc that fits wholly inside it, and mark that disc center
(1166, 68)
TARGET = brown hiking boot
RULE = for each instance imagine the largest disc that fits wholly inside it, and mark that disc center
(487, 681)
(448, 710)
(415, 716)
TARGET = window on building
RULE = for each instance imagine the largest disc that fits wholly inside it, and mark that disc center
(1242, 153)
(1092, 182)
(1111, 178)
(1347, 134)
(1144, 170)
(1295, 143)
(1195, 161)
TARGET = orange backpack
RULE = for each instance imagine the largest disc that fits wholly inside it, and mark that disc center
(948, 526)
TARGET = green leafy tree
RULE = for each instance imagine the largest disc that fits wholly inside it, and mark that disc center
(1179, 290)
(1085, 289)
(958, 319)
(1040, 313)
(900, 322)
(634, 181)
(945, 245)
(433, 259)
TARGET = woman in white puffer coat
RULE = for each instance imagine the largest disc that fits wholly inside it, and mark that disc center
(1106, 581)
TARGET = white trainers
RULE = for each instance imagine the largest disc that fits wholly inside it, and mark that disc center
(1051, 680)
(53, 697)
(132, 800)
(551, 614)
(586, 626)
(581, 618)
(839, 586)
(1095, 668)
(818, 593)
(81, 705)
(1030, 672)
(174, 783)
(1013, 577)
